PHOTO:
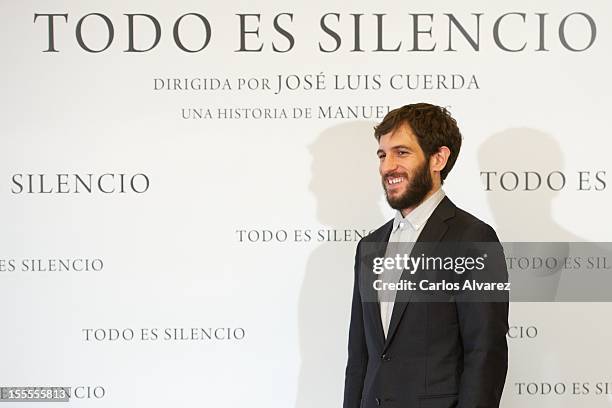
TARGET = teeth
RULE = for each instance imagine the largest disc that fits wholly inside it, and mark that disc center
(395, 180)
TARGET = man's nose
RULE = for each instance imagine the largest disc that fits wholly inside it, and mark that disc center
(387, 164)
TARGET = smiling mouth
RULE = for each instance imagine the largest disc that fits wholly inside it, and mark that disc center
(394, 181)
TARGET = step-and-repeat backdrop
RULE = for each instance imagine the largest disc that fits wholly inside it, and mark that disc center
(183, 185)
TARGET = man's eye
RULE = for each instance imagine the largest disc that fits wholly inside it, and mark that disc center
(381, 156)
(402, 153)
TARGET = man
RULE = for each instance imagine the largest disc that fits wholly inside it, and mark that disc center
(411, 354)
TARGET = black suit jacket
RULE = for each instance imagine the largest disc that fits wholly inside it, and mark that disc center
(436, 354)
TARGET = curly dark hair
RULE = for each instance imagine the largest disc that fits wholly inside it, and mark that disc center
(433, 126)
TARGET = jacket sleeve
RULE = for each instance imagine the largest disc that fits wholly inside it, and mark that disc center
(483, 326)
(357, 350)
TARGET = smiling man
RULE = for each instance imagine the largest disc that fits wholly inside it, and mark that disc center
(423, 354)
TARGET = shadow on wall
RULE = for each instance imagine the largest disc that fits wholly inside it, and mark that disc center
(523, 207)
(527, 216)
(347, 190)
(524, 215)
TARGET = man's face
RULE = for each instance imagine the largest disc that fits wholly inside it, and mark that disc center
(404, 169)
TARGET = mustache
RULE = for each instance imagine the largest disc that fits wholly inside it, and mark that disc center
(395, 174)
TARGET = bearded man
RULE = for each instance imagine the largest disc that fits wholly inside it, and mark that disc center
(411, 354)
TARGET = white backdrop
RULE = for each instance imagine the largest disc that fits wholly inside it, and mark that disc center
(188, 246)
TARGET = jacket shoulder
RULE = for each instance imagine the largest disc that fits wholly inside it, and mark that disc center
(472, 227)
(380, 234)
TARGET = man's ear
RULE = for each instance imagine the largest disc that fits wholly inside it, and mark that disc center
(438, 160)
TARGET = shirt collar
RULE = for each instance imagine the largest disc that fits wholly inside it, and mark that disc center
(419, 216)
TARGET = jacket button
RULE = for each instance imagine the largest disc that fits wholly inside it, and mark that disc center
(385, 357)
(378, 401)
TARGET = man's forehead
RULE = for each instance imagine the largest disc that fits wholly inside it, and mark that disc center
(400, 134)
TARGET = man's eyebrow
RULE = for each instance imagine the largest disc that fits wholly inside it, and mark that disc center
(396, 147)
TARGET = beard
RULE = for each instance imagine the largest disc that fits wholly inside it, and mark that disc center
(419, 185)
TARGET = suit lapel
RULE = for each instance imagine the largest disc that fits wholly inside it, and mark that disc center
(433, 231)
(373, 307)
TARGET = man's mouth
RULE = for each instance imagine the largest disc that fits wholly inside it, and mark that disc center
(394, 181)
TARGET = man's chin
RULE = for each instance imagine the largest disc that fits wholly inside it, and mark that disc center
(395, 201)
(402, 201)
